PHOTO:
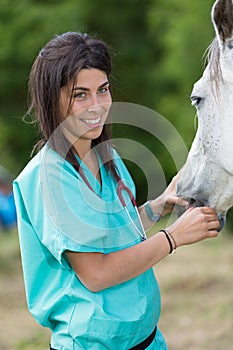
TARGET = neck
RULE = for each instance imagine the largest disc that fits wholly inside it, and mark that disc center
(88, 157)
(83, 148)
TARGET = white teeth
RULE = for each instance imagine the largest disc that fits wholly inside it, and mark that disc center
(92, 121)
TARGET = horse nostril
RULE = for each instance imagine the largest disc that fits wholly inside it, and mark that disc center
(222, 221)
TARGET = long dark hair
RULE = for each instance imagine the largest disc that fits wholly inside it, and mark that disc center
(57, 64)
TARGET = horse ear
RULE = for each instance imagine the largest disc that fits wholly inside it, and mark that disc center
(222, 17)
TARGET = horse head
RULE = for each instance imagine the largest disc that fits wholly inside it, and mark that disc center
(207, 176)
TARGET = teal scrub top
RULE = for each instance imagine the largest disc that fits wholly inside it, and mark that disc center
(57, 212)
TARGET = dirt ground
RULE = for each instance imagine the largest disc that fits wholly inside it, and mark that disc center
(197, 298)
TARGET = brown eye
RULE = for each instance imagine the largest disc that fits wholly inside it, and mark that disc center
(79, 95)
(196, 100)
(103, 89)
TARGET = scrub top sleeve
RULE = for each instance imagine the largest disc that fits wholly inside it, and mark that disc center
(33, 241)
(60, 208)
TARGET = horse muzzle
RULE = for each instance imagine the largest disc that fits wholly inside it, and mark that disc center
(200, 203)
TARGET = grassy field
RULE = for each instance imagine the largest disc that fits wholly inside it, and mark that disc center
(197, 298)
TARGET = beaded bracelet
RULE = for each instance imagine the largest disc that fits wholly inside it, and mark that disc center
(170, 239)
(154, 217)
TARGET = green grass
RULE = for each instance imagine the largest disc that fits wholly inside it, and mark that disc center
(197, 298)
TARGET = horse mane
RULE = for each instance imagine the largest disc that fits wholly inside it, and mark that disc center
(212, 59)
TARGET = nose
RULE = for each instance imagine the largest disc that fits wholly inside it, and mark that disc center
(94, 104)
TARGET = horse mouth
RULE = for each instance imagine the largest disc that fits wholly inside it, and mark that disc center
(197, 203)
(192, 203)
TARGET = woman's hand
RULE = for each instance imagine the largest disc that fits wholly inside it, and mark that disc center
(165, 203)
(195, 225)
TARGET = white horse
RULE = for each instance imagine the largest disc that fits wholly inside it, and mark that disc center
(207, 176)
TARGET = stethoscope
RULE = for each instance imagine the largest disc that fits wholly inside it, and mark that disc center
(120, 188)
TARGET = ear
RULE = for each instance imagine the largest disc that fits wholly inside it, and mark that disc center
(222, 17)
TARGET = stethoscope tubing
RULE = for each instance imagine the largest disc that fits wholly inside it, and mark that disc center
(120, 188)
(141, 233)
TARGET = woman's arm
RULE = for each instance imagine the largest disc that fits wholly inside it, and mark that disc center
(162, 205)
(98, 271)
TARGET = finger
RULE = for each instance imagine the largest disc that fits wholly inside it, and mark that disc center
(208, 210)
(213, 225)
(211, 217)
(174, 200)
(212, 233)
(181, 202)
(174, 180)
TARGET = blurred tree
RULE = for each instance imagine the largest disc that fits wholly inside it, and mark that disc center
(25, 26)
(123, 25)
(184, 31)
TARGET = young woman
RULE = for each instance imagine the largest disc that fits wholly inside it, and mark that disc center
(86, 261)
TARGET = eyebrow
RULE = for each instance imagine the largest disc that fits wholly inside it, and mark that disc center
(86, 89)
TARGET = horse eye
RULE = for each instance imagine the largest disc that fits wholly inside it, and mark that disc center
(195, 100)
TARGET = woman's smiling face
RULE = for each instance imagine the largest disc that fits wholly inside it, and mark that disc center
(90, 103)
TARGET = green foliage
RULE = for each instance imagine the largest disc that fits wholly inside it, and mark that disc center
(25, 26)
(185, 32)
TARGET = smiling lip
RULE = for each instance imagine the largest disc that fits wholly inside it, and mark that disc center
(92, 123)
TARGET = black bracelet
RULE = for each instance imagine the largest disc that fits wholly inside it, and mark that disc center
(169, 240)
(173, 239)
